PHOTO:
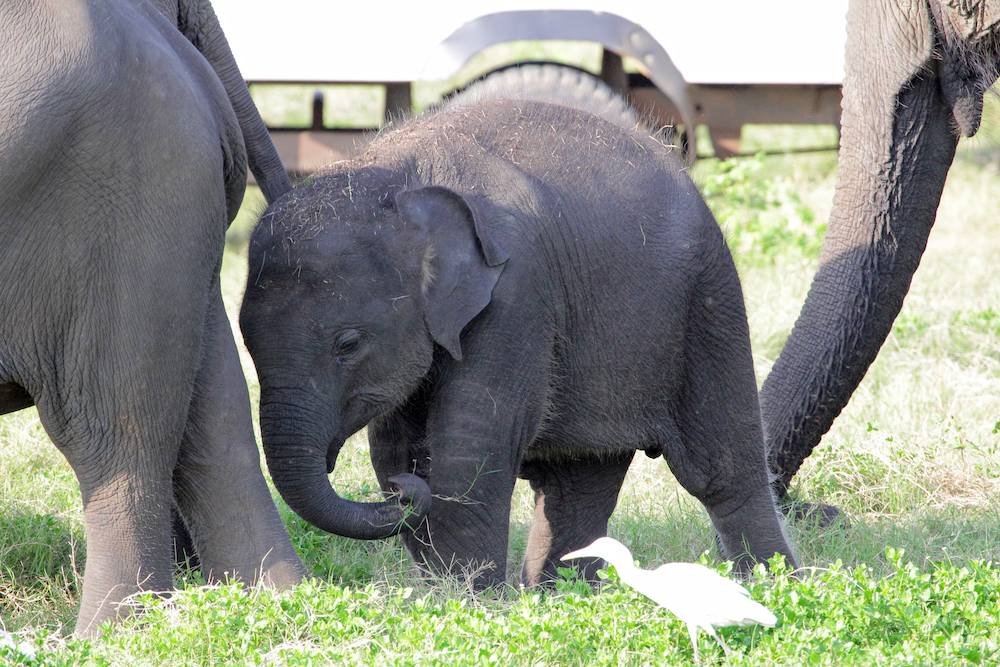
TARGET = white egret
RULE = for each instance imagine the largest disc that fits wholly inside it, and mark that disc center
(695, 594)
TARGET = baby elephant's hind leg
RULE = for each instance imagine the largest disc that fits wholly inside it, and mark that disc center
(719, 455)
(574, 499)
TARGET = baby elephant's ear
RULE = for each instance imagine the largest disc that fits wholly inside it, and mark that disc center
(465, 261)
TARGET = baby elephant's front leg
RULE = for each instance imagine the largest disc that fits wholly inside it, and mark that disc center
(466, 532)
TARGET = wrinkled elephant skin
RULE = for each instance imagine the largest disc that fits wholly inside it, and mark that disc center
(505, 289)
(915, 76)
(123, 156)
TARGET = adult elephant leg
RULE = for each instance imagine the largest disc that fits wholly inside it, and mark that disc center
(218, 483)
(118, 421)
(127, 552)
(574, 500)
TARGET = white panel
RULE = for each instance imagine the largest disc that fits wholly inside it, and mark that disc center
(710, 41)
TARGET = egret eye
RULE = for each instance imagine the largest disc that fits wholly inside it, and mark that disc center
(347, 343)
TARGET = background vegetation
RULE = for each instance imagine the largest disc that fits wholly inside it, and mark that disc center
(912, 462)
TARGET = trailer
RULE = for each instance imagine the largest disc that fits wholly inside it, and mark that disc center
(718, 63)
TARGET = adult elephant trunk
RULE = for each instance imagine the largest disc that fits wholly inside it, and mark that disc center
(905, 90)
(301, 447)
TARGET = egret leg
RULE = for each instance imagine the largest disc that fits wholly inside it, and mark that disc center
(693, 631)
(712, 632)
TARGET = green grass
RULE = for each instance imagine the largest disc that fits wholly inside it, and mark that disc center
(912, 461)
(942, 615)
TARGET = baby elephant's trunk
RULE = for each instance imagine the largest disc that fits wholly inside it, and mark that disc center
(297, 452)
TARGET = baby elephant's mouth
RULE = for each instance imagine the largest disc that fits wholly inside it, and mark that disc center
(361, 407)
(332, 451)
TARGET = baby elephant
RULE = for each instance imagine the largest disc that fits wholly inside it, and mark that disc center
(507, 289)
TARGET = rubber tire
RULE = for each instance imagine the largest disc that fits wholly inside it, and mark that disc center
(550, 82)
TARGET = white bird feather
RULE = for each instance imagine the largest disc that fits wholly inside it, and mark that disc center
(700, 597)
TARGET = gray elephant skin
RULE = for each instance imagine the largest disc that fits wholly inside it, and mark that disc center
(915, 76)
(505, 289)
(122, 160)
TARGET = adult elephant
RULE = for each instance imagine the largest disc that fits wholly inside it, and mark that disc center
(122, 159)
(914, 81)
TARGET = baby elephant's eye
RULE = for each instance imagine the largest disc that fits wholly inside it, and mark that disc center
(347, 343)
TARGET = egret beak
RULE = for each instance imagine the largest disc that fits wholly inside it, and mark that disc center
(581, 553)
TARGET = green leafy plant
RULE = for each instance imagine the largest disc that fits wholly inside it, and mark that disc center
(763, 217)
